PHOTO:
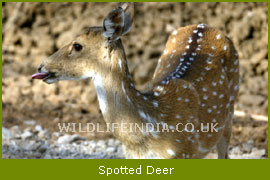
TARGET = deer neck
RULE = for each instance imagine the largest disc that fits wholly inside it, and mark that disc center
(118, 98)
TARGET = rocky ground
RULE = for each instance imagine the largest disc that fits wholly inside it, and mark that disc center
(33, 31)
(36, 143)
(249, 141)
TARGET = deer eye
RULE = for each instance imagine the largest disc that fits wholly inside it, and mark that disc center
(77, 47)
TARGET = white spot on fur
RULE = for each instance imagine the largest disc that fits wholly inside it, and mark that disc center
(208, 61)
(146, 117)
(205, 97)
(160, 88)
(201, 26)
(171, 152)
(178, 116)
(222, 60)
(155, 103)
(198, 41)
(222, 76)
(124, 91)
(221, 96)
(120, 63)
(156, 94)
(190, 40)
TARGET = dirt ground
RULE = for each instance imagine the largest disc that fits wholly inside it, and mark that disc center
(33, 31)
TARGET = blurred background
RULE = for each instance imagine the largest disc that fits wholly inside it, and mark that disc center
(32, 109)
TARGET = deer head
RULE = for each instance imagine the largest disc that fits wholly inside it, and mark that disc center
(87, 55)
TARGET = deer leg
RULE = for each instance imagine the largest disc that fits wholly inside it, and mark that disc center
(222, 146)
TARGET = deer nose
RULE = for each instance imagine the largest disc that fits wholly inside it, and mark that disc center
(40, 67)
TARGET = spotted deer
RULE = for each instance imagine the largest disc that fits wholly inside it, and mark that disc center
(194, 85)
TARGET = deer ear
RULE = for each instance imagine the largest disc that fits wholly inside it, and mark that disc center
(119, 21)
(129, 14)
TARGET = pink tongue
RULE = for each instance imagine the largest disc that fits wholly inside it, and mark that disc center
(39, 75)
